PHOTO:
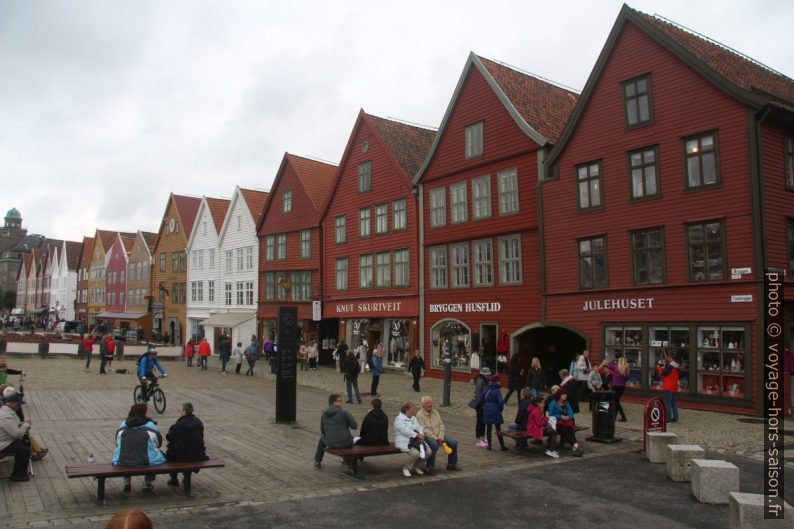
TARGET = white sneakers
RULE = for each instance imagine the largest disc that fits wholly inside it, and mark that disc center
(406, 472)
(552, 453)
(419, 471)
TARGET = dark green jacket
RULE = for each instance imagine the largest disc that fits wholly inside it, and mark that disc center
(335, 425)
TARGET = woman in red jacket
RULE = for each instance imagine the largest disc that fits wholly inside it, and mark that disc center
(204, 351)
(190, 352)
(538, 422)
(88, 349)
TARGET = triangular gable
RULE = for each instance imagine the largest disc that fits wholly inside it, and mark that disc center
(255, 200)
(182, 205)
(72, 251)
(24, 268)
(215, 209)
(237, 197)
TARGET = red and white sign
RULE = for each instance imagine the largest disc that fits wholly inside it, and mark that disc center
(372, 308)
(654, 418)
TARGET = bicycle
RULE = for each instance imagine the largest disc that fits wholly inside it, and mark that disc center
(153, 392)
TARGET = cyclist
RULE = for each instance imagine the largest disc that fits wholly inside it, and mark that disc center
(146, 364)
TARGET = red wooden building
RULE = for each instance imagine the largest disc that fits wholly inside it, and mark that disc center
(81, 304)
(479, 217)
(290, 258)
(670, 191)
(370, 236)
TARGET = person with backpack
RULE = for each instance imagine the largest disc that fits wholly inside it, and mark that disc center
(250, 355)
(147, 363)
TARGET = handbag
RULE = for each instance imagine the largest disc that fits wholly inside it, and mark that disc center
(473, 402)
(564, 423)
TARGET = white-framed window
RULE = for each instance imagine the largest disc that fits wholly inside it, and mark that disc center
(270, 285)
(306, 244)
(212, 259)
(194, 259)
(287, 201)
(211, 291)
(365, 271)
(249, 293)
(194, 291)
(121, 276)
(482, 257)
(201, 259)
(508, 191)
(200, 290)
(240, 293)
(249, 257)
(481, 197)
(204, 228)
(341, 273)
(364, 177)
(459, 264)
(474, 140)
(270, 248)
(382, 218)
(402, 268)
(399, 215)
(239, 222)
(340, 230)
(281, 292)
(121, 298)
(281, 246)
(383, 269)
(364, 222)
(301, 285)
(510, 260)
(229, 260)
(228, 293)
(438, 209)
(438, 267)
(457, 194)
(240, 262)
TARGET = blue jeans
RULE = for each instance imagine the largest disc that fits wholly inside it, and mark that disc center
(670, 404)
(535, 392)
(320, 452)
(352, 383)
(251, 363)
(434, 447)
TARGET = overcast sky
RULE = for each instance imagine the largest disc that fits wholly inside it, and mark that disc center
(108, 106)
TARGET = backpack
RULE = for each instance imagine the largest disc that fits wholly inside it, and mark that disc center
(573, 369)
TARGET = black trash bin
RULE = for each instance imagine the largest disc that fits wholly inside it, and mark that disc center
(604, 414)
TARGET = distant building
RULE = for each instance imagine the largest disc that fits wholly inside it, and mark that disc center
(10, 234)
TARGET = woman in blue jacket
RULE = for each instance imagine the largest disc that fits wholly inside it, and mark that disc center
(492, 406)
(561, 410)
(138, 443)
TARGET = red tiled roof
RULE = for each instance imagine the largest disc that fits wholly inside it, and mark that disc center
(88, 247)
(73, 249)
(736, 68)
(106, 237)
(409, 143)
(255, 200)
(316, 177)
(218, 208)
(150, 238)
(544, 106)
(188, 209)
(128, 242)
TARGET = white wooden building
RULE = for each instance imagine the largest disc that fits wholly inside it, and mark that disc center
(63, 291)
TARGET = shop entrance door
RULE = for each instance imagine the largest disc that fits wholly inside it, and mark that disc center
(554, 346)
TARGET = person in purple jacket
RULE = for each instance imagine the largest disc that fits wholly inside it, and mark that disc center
(619, 370)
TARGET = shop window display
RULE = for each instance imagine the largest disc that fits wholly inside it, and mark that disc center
(626, 342)
(661, 340)
(458, 336)
(721, 361)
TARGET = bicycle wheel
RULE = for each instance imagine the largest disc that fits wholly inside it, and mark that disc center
(159, 400)
(136, 393)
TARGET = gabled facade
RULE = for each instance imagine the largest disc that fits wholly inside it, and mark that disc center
(64, 281)
(169, 274)
(238, 257)
(137, 316)
(204, 266)
(31, 306)
(81, 307)
(97, 282)
(370, 237)
(671, 191)
(292, 217)
(22, 284)
(479, 217)
(116, 264)
(51, 263)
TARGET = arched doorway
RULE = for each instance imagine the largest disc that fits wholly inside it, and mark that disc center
(554, 345)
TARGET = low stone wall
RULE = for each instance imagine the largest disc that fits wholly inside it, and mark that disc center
(22, 347)
(162, 351)
(63, 348)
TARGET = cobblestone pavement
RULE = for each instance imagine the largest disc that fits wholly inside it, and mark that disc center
(75, 413)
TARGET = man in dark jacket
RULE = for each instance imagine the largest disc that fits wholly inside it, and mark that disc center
(335, 425)
(185, 440)
(351, 369)
(375, 428)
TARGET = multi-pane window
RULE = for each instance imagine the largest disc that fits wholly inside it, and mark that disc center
(270, 248)
(239, 292)
(399, 215)
(382, 218)
(588, 177)
(175, 261)
(365, 271)
(474, 140)
(790, 240)
(482, 258)
(383, 269)
(211, 291)
(592, 263)
(364, 177)
(402, 268)
(510, 260)
(281, 246)
(183, 262)
(240, 262)
(341, 273)
(637, 95)
(287, 201)
(457, 193)
(212, 259)
(790, 163)
(229, 259)
(459, 261)
(201, 259)
(644, 173)
(228, 292)
(438, 267)
(194, 291)
(706, 251)
(438, 209)
(281, 292)
(481, 197)
(194, 255)
(270, 285)
(364, 222)
(174, 293)
(508, 191)
(647, 249)
(306, 244)
(301, 286)
(162, 261)
(340, 231)
(701, 161)
(249, 293)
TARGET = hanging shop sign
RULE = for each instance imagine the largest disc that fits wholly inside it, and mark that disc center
(742, 298)
(317, 310)
(618, 304)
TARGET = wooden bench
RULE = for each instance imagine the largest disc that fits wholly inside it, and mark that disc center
(354, 453)
(100, 471)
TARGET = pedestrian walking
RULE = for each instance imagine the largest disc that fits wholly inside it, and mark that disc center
(619, 370)
(377, 370)
(251, 353)
(351, 368)
(362, 352)
(270, 354)
(493, 405)
(102, 354)
(313, 355)
(303, 356)
(237, 357)
(190, 351)
(536, 378)
(514, 378)
(88, 350)
(204, 352)
(225, 347)
(669, 375)
(582, 375)
(340, 353)
(415, 367)
(110, 352)
(480, 382)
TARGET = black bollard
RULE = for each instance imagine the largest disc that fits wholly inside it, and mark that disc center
(287, 369)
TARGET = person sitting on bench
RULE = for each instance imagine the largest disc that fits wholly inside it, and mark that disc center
(538, 426)
(12, 437)
(138, 443)
(375, 427)
(185, 440)
(335, 425)
(37, 452)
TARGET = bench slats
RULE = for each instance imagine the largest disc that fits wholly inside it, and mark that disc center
(108, 470)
